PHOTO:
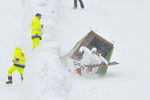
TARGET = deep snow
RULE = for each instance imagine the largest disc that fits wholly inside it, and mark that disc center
(125, 23)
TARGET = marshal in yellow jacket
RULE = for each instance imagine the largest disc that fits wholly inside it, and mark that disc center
(36, 31)
(36, 26)
(19, 64)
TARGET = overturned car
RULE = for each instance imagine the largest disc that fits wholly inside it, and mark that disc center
(90, 40)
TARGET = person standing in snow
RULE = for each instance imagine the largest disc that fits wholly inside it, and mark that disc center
(19, 64)
(36, 31)
(81, 4)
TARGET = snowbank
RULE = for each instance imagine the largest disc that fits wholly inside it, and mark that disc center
(44, 75)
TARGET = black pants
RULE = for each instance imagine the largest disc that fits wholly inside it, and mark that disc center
(81, 3)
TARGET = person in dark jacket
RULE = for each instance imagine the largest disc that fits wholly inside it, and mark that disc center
(81, 4)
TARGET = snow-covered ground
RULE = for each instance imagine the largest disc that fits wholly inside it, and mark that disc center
(124, 22)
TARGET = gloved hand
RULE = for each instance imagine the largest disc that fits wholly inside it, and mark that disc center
(17, 59)
(42, 26)
(21, 77)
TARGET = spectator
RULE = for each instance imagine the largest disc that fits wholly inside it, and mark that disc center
(81, 4)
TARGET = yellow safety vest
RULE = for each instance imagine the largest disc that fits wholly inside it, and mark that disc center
(36, 28)
(19, 58)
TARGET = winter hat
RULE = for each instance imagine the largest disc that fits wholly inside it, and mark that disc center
(93, 49)
(81, 50)
(38, 14)
(18, 48)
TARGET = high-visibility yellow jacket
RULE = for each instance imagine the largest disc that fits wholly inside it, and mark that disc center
(19, 57)
(36, 26)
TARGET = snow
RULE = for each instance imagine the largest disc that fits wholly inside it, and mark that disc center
(125, 23)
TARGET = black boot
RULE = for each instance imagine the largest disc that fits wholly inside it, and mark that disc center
(9, 80)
